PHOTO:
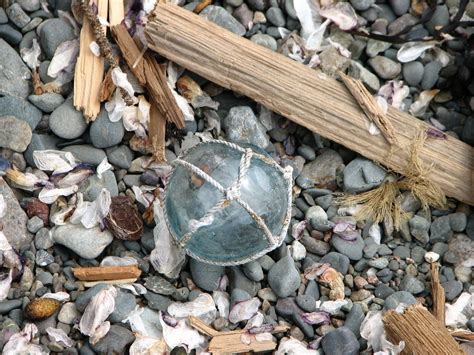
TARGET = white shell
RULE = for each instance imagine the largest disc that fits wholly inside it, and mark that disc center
(202, 307)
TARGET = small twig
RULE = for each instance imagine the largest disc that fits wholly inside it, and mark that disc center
(370, 107)
(437, 292)
(106, 272)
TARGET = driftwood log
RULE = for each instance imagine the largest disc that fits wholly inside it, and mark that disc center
(303, 95)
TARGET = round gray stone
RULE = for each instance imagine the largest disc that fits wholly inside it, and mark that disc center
(413, 73)
(105, 133)
(21, 109)
(341, 341)
(385, 67)
(362, 175)
(206, 276)
(86, 153)
(352, 249)
(66, 122)
(392, 301)
(53, 33)
(46, 102)
(284, 277)
(15, 134)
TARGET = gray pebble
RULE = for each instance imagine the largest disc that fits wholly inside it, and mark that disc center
(265, 41)
(306, 302)
(290, 9)
(362, 5)
(237, 279)
(115, 341)
(46, 102)
(105, 133)
(412, 285)
(32, 25)
(9, 34)
(244, 15)
(430, 75)
(413, 73)
(418, 254)
(45, 278)
(258, 5)
(439, 18)
(53, 33)
(15, 78)
(379, 263)
(402, 251)
(401, 23)
(253, 270)
(86, 153)
(354, 319)
(284, 277)
(15, 134)
(384, 67)
(157, 302)
(241, 125)
(234, 3)
(419, 228)
(392, 301)
(315, 246)
(43, 239)
(275, 16)
(400, 7)
(361, 175)
(458, 222)
(34, 224)
(3, 16)
(16, 15)
(221, 17)
(121, 156)
(29, 5)
(338, 261)
(66, 122)
(352, 249)
(341, 341)
(125, 303)
(383, 291)
(206, 276)
(440, 230)
(7, 305)
(21, 109)
(452, 289)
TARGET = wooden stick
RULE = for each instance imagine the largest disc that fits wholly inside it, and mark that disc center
(231, 342)
(303, 95)
(370, 107)
(157, 133)
(116, 12)
(107, 272)
(89, 70)
(420, 331)
(149, 74)
(437, 292)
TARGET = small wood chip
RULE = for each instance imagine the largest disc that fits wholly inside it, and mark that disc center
(370, 107)
(438, 294)
(107, 272)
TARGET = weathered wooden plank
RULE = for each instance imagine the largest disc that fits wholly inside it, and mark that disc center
(303, 95)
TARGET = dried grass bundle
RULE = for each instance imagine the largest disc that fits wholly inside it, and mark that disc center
(385, 200)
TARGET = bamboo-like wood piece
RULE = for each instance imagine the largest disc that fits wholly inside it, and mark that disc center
(116, 12)
(437, 292)
(420, 331)
(149, 74)
(89, 70)
(106, 273)
(157, 133)
(88, 284)
(303, 95)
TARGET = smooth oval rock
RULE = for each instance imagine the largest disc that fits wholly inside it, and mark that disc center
(362, 175)
(206, 276)
(14, 74)
(47, 102)
(66, 122)
(53, 33)
(385, 67)
(340, 342)
(86, 153)
(105, 133)
(21, 109)
(87, 243)
(221, 17)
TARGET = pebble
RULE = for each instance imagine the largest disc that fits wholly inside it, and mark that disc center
(3, 16)
(34, 224)
(332, 61)
(39, 142)
(87, 243)
(306, 303)
(221, 17)
(121, 156)
(412, 285)
(413, 73)
(9, 34)
(237, 279)
(105, 133)
(21, 109)
(430, 75)
(458, 222)
(265, 41)
(402, 251)
(66, 122)
(419, 228)
(284, 277)
(86, 153)
(46, 102)
(241, 125)
(244, 15)
(354, 319)
(275, 16)
(399, 297)
(15, 134)
(16, 15)
(383, 291)
(400, 7)
(29, 5)
(338, 261)
(340, 341)
(157, 302)
(362, 5)
(205, 276)
(362, 175)
(14, 74)
(125, 303)
(315, 246)
(258, 5)
(452, 289)
(379, 263)
(93, 185)
(54, 32)
(440, 229)
(253, 270)
(352, 249)
(68, 313)
(358, 71)
(43, 239)
(115, 341)
(321, 172)
(14, 221)
(439, 18)
(8, 305)
(385, 67)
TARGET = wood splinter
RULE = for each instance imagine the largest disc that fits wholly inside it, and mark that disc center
(438, 295)
(231, 342)
(107, 273)
(421, 332)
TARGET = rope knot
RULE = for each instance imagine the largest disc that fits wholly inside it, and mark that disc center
(232, 193)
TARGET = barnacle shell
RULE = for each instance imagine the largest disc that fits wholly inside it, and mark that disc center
(41, 308)
(123, 219)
